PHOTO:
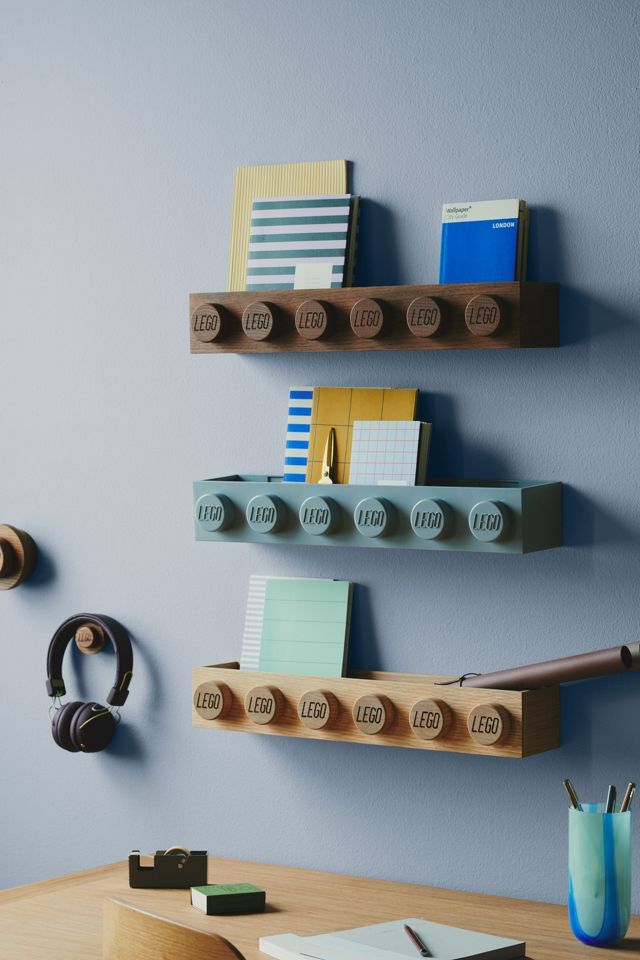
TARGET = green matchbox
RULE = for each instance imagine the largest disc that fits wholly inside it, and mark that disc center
(227, 898)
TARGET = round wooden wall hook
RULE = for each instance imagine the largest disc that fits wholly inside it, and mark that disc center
(18, 555)
(90, 638)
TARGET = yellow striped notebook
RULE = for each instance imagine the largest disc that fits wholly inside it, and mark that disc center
(322, 178)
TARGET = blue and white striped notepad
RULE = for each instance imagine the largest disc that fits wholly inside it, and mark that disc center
(298, 431)
(305, 627)
(291, 232)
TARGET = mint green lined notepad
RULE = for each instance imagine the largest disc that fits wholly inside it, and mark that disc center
(305, 628)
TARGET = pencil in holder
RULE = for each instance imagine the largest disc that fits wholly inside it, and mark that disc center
(599, 897)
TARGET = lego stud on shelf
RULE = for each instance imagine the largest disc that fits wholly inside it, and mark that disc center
(367, 318)
(263, 704)
(207, 322)
(430, 719)
(424, 317)
(482, 316)
(258, 321)
(488, 723)
(312, 320)
(317, 709)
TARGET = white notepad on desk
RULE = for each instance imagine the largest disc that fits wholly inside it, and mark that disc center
(388, 941)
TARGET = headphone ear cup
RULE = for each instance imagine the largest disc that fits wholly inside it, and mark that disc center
(61, 725)
(92, 727)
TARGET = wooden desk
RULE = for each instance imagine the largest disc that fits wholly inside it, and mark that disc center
(61, 919)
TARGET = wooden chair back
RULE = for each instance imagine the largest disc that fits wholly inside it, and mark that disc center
(129, 933)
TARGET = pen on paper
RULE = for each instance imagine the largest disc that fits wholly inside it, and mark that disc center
(419, 944)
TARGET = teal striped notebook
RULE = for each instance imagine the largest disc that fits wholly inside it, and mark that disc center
(302, 243)
(305, 627)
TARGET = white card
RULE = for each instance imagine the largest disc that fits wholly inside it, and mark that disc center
(312, 276)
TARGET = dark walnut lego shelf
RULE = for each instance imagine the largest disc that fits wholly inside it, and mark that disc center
(383, 709)
(472, 316)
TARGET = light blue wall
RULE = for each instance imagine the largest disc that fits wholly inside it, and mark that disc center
(121, 125)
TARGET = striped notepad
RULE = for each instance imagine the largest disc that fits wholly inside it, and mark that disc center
(299, 242)
(324, 177)
(305, 629)
(298, 427)
(252, 638)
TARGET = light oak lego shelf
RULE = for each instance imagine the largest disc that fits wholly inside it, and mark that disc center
(384, 709)
(473, 316)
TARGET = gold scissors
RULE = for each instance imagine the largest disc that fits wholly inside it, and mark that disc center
(327, 457)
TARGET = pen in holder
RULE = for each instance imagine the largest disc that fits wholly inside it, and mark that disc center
(599, 874)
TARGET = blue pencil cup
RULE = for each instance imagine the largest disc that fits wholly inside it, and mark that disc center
(599, 874)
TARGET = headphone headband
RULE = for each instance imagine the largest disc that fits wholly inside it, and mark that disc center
(120, 642)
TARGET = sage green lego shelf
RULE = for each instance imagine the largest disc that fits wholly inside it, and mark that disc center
(469, 515)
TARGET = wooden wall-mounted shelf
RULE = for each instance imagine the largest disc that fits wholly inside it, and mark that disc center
(473, 316)
(471, 515)
(384, 709)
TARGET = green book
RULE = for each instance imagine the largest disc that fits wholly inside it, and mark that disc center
(221, 898)
(305, 628)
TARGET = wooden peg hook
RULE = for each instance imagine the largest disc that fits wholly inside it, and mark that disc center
(18, 555)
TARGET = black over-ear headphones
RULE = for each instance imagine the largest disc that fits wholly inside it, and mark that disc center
(87, 727)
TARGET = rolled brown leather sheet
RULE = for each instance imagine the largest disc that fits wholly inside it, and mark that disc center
(584, 666)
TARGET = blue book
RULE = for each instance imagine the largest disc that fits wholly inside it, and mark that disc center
(482, 241)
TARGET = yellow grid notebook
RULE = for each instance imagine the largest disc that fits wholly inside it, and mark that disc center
(339, 407)
(325, 177)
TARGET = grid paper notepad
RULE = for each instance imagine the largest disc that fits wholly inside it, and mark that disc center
(298, 428)
(305, 627)
(389, 452)
(292, 234)
(340, 407)
(275, 180)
